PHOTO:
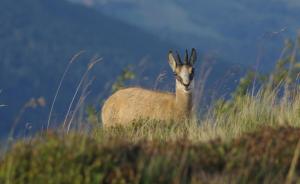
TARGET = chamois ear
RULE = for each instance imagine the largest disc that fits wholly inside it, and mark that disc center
(172, 61)
(193, 57)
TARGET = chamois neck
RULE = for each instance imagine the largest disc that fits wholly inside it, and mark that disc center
(183, 100)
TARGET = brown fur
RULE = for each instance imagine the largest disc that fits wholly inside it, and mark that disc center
(132, 104)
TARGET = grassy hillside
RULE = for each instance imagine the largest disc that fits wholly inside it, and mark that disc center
(254, 137)
(263, 156)
(251, 139)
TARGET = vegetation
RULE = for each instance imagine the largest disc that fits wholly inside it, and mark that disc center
(126, 75)
(252, 137)
(2, 105)
(263, 156)
(256, 142)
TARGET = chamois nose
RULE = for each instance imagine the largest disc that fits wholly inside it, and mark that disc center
(186, 86)
(186, 80)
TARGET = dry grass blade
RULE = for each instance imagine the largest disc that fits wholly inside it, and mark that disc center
(81, 101)
(90, 66)
(160, 78)
(60, 84)
(2, 105)
(200, 84)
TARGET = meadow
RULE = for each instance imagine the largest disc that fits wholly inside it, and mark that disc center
(252, 137)
(257, 140)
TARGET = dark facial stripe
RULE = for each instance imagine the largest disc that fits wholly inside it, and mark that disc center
(179, 79)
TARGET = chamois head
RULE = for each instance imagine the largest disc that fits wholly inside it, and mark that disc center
(183, 71)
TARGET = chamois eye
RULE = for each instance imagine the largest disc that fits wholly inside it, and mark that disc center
(179, 78)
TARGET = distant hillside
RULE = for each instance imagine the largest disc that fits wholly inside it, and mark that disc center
(234, 30)
(38, 38)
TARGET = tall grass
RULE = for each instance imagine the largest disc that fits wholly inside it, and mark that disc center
(73, 59)
(167, 156)
(251, 138)
(232, 144)
(246, 114)
(2, 105)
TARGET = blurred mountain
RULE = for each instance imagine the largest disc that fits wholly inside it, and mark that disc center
(234, 29)
(38, 39)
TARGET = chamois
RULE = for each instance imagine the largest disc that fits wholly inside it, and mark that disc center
(127, 105)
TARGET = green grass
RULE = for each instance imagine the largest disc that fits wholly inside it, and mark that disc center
(261, 156)
(252, 140)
